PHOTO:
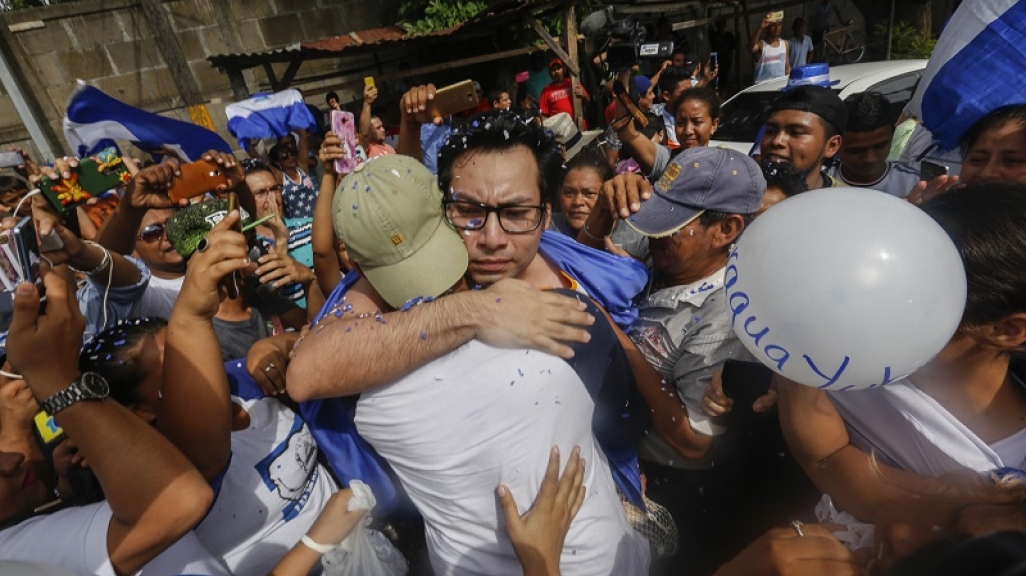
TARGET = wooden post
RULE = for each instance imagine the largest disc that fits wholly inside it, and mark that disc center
(570, 32)
(167, 44)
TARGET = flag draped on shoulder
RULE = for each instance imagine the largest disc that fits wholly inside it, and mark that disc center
(95, 120)
(269, 116)
(978, 66)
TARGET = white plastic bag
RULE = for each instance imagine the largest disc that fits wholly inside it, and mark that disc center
(365, 552)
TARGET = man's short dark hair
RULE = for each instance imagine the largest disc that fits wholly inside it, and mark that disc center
(822, 102)
(331, 96)
(868, 111)
(671, 77)
(495, 94)
(502, 131)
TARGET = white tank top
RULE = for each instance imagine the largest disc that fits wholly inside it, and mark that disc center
(771, 61)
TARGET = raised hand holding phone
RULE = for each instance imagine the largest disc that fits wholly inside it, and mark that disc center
(222, 253)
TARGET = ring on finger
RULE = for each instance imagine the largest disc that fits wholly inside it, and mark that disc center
(203, 245)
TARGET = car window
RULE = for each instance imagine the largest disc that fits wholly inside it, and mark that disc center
(898, 90)
(744, 115)
(741, 118)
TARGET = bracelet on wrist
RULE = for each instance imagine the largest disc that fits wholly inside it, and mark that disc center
(105, 261)
(316, 546)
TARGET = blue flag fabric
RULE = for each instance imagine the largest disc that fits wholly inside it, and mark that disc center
(976, 67)
(615, 282)
(269, 116)
(94, 120)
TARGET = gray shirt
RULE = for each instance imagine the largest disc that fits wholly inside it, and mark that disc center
(685, 333)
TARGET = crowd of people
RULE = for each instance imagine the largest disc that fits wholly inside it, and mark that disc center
(513, 334)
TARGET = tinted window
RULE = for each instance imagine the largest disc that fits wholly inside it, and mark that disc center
(898, 90)
(742, 117)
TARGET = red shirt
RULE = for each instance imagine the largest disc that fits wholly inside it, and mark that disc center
(556, 98)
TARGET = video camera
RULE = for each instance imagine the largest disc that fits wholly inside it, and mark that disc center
(624, 42)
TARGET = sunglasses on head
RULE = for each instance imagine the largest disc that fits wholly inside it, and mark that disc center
(152, 233)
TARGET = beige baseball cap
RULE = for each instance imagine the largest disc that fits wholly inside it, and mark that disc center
(388, 211)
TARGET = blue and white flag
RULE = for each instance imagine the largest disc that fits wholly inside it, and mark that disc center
(978, 66)
(269, 116)
(94, 120)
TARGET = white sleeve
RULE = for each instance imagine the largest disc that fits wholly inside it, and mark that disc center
(74, 539)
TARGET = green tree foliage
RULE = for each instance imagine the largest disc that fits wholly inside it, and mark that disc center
(424, 16)
(907, 41)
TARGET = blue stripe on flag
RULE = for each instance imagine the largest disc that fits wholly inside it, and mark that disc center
(986, 74)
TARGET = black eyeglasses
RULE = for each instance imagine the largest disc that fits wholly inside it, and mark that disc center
(515, 218)
(152, 233)
(286, 154)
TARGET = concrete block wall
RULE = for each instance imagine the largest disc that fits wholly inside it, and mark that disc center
(109, 44)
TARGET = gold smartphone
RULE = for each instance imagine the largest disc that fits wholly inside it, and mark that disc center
(453, 99)
(777, 16)
(368, 81)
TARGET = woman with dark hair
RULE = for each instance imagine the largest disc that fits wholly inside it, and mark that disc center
(582, 183)
(697, 115)
(887, 454)
(257, 452)
(993, 149)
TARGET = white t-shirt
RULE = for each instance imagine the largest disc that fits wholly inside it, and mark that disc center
(76, 539)
(898, 180)
(159, 297)
(272, 493)
(907, 428)
(479, 416)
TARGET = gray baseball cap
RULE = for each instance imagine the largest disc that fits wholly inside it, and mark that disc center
(700, 179)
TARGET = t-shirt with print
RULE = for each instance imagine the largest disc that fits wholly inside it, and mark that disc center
(556, 98)
(298, 197)
(76, 539)
(272, 492)
(685, 333)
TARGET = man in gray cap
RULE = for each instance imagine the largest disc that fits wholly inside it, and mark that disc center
(804, 128)
(697, 210)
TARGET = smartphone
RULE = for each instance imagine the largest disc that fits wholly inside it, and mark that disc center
(232, 280)
(92, 177)
(777, 16)
(627, 100)
(930, 170)
(198, 178)
(23, 235)
(10, 270)
(11, 159)
(343, 124)
(453, 99)
(368, 81)
(744, 383)
(714, 60)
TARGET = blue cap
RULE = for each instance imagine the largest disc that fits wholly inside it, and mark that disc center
(810, 75)
(642, 84)
(700, 179)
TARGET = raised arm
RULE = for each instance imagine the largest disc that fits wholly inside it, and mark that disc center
(154, 493)
(370, 94)
(413, 107)
(755, 43)
(640, 148)
(348, 354)
(195, 408)
(326, 265)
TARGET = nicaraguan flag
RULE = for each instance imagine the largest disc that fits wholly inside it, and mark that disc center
(978, 66)
(94, 120)
(269, 116)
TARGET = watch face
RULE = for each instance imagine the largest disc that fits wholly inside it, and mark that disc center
(94, 385)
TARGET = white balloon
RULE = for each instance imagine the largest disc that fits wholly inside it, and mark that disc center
(18, 568)
(845, 288)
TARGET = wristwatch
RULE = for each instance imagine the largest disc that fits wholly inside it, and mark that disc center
(89, 386)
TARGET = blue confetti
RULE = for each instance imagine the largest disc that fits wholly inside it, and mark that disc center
(423, 335)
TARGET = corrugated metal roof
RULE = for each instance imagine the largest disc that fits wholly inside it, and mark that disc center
(497, 14)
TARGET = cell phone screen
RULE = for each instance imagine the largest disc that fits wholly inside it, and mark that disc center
(27, 250)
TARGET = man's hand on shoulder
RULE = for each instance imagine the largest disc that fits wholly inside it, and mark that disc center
(514, 314)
